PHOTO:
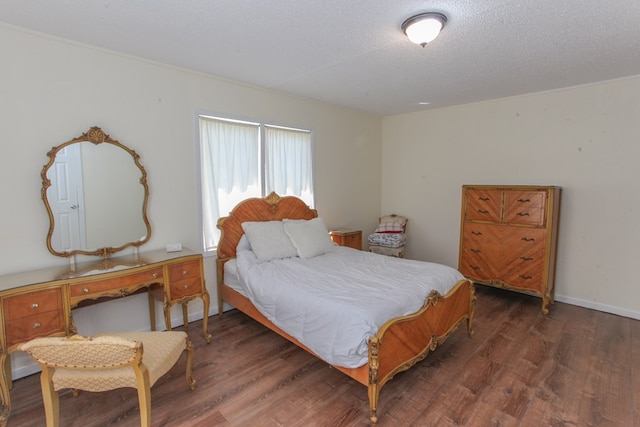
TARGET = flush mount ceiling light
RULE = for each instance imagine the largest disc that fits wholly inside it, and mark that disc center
(423, 28)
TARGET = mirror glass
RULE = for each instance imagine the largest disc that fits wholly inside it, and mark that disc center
(95, 191)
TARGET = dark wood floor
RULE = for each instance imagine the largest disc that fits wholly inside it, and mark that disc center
(573, 367)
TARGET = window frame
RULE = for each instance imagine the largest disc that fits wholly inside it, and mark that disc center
(212, 251)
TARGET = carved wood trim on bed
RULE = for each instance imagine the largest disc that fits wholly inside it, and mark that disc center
(399, 344)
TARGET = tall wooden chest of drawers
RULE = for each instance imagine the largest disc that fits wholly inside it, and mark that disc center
(508, 237)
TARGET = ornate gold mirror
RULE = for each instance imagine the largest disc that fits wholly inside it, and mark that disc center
(95, 191)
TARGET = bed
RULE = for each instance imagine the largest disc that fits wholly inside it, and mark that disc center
(396, 346)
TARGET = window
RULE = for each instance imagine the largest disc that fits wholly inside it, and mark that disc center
(242, 159)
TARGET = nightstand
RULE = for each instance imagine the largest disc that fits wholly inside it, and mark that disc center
(351, 238)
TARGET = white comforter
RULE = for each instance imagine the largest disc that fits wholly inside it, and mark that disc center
(334, 302)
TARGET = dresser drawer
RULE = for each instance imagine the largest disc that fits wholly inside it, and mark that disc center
(18, 306)
(524, 207)
(37, 325)
(483, 205)
(524, 259)
(98, 287)
(480, 251)
(526, 277)
(524, 241)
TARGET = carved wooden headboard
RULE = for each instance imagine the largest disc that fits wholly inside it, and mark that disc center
(271, 208)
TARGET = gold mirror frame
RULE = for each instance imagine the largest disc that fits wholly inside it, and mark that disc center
(96, 136)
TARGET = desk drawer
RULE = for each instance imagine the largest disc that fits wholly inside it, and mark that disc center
(185, 279)
(22, 305)
(98, 287)
(187, 287)
(37, 325)
(184, 270)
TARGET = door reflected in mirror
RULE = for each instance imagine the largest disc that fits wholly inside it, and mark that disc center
(95, 191)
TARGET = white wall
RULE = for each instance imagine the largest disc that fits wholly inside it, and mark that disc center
(585, 139)
(52, 90)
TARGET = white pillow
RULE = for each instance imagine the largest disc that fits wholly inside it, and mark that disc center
(243, 244)
(310, 238)
(268, 240)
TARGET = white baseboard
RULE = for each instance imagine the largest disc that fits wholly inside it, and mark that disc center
(599, 306)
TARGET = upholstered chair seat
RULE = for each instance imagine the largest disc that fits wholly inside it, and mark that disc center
(106, 362)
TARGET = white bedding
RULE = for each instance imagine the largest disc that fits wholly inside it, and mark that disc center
(231, 278)
(334, 302)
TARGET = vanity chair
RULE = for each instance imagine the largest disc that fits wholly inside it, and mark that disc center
(106, 362)
(390, 236)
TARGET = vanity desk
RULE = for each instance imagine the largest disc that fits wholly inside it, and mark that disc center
(95, 192)
(40, 302)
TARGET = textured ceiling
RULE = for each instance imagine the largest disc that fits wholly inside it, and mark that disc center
(353, 53)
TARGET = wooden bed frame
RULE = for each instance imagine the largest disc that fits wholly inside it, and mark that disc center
(399, 344)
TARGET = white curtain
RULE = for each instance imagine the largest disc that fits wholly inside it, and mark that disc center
(230, 153)
(232, 170)
(288, 163)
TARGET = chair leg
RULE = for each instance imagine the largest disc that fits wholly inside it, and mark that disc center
(189, 349)
(50, 398)
(144, 395)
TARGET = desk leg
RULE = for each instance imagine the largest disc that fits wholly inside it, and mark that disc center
(5, 386)
(152, 310)
(167, 315)
(185, 316)
(205, 316)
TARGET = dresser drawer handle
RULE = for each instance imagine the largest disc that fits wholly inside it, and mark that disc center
(475, 251)
(85, 290)
(474, 267)
(483, 211)
(154, 275)
(523, 214)
(522, 276)
(186, 286)
(524, 200)
(185, 272)
(36, 325)
(476, 233)
(484, 199)
(528, 239)
(524, 258)
(35, 305)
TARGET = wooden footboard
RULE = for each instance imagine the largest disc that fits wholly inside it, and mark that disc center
(399, 344)
(404, 341)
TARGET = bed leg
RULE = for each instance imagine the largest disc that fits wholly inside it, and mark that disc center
(472, 308)
(373, 403)
(373, 389)
(374, 392)
(220, 301)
